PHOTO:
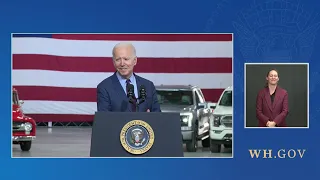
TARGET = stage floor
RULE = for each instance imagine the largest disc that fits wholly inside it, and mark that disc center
(75, 142)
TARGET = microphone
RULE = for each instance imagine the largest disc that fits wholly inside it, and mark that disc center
(143, 94)
(130, 92)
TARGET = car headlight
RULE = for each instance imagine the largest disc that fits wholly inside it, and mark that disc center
(27, 126)
(216, 121)
(186, 119)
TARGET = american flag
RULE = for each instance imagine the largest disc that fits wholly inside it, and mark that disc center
(57, 74)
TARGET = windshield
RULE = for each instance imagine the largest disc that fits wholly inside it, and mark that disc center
(15, 99)
(179, 97)
(226, 99)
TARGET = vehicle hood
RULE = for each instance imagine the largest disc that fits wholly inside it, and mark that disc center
(175, 108)
(223, 110)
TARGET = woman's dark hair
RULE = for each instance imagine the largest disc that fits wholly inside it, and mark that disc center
(266, 85)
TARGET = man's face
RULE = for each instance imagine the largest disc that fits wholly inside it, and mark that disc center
(124, 61)
(273, 77)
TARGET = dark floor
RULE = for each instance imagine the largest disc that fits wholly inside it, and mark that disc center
(75, 142)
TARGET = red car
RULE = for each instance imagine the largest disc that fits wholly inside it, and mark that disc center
(23, 127)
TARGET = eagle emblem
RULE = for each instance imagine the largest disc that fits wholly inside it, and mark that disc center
(268, 32)
(137, 137)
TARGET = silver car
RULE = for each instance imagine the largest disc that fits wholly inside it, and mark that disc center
(195, 114)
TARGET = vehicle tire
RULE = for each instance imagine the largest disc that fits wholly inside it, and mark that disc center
(25, 145)
(206, 143)
(192, 145)
(215, 148)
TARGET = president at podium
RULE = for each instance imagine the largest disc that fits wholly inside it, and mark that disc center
(121, 127)
(125, 91)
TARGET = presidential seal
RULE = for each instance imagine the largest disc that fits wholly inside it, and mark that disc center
(137, 137)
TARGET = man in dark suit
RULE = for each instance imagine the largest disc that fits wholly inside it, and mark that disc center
(272, 103)
(112, 91)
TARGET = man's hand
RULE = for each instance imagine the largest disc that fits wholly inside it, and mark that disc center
(271, 124)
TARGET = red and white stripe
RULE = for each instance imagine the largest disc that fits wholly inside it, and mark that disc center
(57, 77)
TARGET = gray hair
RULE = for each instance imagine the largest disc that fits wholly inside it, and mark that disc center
(124, 44)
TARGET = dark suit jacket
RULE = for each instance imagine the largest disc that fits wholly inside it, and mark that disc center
(276, 111)
(112, 97)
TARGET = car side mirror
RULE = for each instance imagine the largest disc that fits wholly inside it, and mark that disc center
(198, 113)
(200, 109)
(201, 105)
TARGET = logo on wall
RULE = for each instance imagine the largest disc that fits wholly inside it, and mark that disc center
(271, 31)
(137, 137)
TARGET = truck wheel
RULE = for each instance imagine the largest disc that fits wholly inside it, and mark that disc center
(206, 143)
(193, 144)
(215, 148)
(25, 145)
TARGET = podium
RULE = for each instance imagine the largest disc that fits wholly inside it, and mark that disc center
(136, 134)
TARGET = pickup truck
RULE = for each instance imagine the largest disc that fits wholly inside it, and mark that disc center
(23, 127)
(221, 128)
(194, 116)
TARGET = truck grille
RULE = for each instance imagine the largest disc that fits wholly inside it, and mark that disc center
(16, 126)
(227, 121)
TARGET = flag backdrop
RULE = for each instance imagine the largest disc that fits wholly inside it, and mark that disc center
(57, 74)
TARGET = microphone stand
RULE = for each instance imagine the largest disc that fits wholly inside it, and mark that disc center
(131, 100)
(141, 100)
